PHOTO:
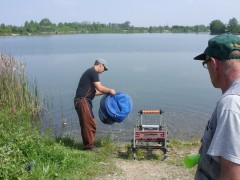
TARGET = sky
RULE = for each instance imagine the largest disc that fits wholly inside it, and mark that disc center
(139, 13)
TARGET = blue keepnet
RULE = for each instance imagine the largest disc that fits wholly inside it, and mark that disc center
(103, 116)
(115, 108)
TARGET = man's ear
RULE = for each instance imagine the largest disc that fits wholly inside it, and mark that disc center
(216, 72)
(214, 64)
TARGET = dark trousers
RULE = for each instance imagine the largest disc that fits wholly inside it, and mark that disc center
(87, 122)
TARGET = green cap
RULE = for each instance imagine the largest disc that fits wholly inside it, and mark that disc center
(221, 46)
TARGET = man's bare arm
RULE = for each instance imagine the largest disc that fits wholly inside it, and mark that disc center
(103, 89)
(229, 170)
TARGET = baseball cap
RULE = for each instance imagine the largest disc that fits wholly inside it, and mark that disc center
(102, 61)
(221, 47)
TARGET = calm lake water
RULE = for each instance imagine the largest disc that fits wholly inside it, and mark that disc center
(156, 70)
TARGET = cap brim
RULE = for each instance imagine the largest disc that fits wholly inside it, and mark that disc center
(200, 57)
(105, 68)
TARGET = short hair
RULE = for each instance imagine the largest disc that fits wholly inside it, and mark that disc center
(231, 65)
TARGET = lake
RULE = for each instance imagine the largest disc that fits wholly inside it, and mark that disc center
(156, 70)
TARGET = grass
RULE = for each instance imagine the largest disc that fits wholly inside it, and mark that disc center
(16, 92)
(26, 154)
(179, 149)
(176, 151)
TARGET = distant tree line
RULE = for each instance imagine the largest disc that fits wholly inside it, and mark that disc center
(45, 26)
(218, 27)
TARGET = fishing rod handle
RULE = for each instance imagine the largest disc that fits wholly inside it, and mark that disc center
(150, 111)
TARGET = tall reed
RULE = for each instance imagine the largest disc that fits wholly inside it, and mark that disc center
(15, 91)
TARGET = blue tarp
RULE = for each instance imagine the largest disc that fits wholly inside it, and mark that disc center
(115, 108)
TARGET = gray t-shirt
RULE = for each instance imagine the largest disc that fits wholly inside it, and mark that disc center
(226, 140)
(222, 135)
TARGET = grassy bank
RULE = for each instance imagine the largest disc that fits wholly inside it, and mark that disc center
(25, 154)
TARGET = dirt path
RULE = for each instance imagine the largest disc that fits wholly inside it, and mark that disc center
(169, 168)
(148, 169)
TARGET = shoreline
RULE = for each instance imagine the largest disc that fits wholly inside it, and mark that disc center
(77, 33)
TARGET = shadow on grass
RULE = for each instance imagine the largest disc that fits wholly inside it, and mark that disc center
(140, 154)
(70, 142)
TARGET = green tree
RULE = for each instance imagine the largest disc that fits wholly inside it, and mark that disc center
(233, 25)
(217, 27)
(126, 25)
(177, 28)
(31, 27)
(200, 28)
(2, 27)
(46, 25)
(15, 29)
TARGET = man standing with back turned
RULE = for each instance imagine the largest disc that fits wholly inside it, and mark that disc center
(220, 149)
(89, 86)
